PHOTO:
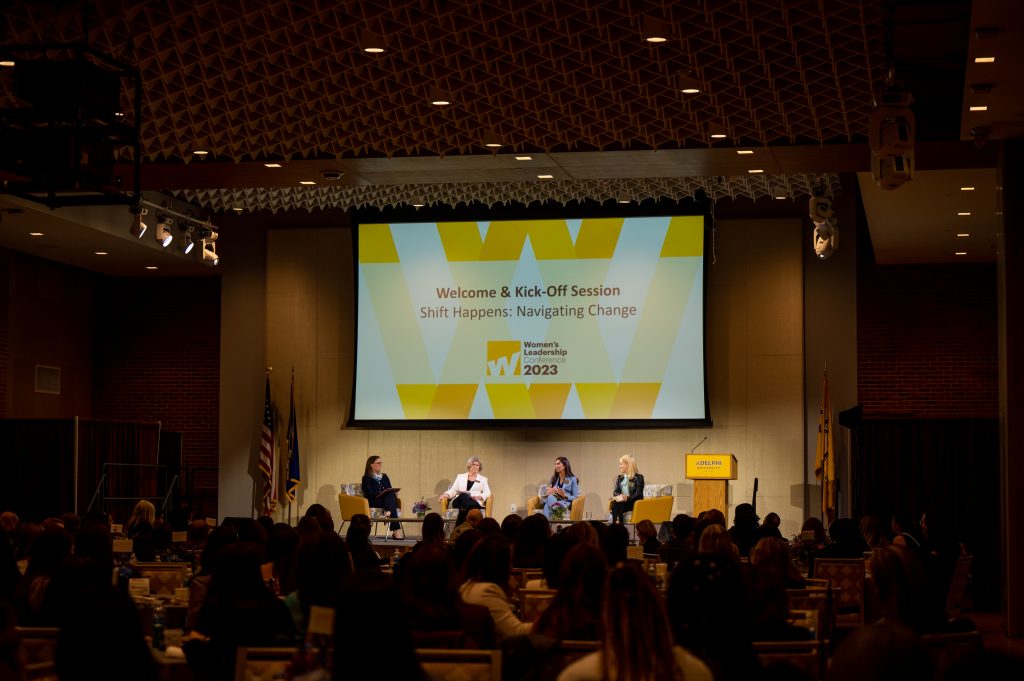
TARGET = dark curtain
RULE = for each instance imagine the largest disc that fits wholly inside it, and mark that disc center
(113, 442)
(37, 464)
(912, 465)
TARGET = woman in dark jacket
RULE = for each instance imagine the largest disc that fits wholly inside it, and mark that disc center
(629, 488)
(378, 491)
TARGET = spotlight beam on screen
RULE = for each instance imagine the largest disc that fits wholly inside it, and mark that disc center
(568, 321)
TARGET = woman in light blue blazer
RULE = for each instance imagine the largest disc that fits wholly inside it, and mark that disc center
(564, 486)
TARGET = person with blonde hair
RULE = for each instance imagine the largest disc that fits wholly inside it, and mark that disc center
(470, 489)
(628, 489)
(636, 639)
(142, 518)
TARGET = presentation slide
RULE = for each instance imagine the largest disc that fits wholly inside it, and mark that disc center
(589, 320)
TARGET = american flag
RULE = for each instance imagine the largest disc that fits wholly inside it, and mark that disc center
(268, 466)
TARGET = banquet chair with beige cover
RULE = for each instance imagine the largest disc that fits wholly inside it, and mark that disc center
(164, 578)
(532, 602)
(808, 656)
(262, 664)
(847, 576)
(36, 645)
(460, 665)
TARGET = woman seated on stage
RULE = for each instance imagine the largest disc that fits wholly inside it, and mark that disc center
(470, 489)
(378, 491)
(629, 488)
(564, 487)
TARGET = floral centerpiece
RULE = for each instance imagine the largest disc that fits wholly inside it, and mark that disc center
(801, 549)
(420, 507)
(559, 510)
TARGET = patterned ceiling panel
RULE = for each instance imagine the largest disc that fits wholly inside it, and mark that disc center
(261, 79)
(503, 193)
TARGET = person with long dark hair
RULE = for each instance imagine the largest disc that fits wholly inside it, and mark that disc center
(563, 488)
(378, 491)
(628, 489)
(636, 640)
(487, 573)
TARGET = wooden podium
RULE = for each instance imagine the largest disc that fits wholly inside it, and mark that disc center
(711, 474)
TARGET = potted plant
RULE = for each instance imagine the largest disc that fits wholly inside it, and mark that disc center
(420, 507)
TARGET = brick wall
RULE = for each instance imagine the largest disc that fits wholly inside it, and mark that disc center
(927, 341)
(157, 358)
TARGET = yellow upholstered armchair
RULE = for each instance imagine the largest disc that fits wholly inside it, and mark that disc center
(488, 506)
(656, 505)
(351, 505)
(575, 510)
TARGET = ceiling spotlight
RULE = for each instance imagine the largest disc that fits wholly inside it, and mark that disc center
(210, 252)
(716, 131)
(187, 242)
(162, 233)
(6, 62)
(371, 42)
(656, 30)
(492, 140)
(689, 85)
(138, 227)
(438, 97)
(200, 152)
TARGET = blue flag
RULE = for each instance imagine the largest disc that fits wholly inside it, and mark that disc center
(293, 450)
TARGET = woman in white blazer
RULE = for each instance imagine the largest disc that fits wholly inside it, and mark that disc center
(470, 489)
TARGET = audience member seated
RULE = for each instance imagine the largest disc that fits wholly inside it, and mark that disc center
(487, 572)
(846, 542)
(680, 546)
(770, 526)
(616, 544)
(554, 554)
(467, 520)
(239, 611)
(814, 525)
(883, 652)
(905, 531)
(462, 548)
(101, 638)
(47, 552)
(575, 611)
(633, 613)
(871, 531)
(528, 551)
(769, 603)
(308, 529)
(219, 539)
(715, 541)
(903, 590)
(510, 527)
(322, 516)
(433, 605)
(364, 557)
(711, 615)
(939, 551)
(433, 531)
(647, 536)
(745, 531)
(141, 520)
(282, 556)
(323, 565)
(774, 553)
(489, 526)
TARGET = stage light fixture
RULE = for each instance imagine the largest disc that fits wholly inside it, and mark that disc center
(210, 252)
(138, 227)
(825, 239)
(162, 233)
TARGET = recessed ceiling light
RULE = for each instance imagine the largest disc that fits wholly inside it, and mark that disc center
(119, 114)
(781, 198)
(152, 267)
(979, 108)
(545, 177)
(656, 30)
(35, 233)
(755, 170)
(984, 60)
(200, 152)
(964, 213)
(417, 205)
(306, 182)
(6, 62)
(967, 189)
(100, 253)
(439, 97)
(744, 152)
(960, 253)
(371, 42)
(272, 165)
(237, 209)
(524, 158)
(963, 234)
(718, 136)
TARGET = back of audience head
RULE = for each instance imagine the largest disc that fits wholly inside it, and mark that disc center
(900, 579)
(308, 529)
(9, 521)
(583, 533)
(84, 640)
(815, 525)
(774, 554)
(616, 543)
(462, 548)
(489, 561)
(872, 532)
(715, 517)
(558, 546)
(744, 516)
(715, 541)
(433, 529)
(510, 526)
(583, 575)
(219, 538)
(323, 565)
(489, 526)
(197, 532)
(882, 652)
(846, 532)
(322, 515)
(634, 612)
(645, 530)
(682, 526)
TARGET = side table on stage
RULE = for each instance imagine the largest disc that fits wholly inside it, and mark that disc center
(711, 474)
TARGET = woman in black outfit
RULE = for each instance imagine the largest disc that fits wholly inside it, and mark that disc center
(629, 488)
(375, 482)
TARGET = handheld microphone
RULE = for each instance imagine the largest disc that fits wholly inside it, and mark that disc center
(699, 444)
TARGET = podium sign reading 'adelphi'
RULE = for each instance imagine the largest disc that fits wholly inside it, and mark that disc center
(711, 467)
